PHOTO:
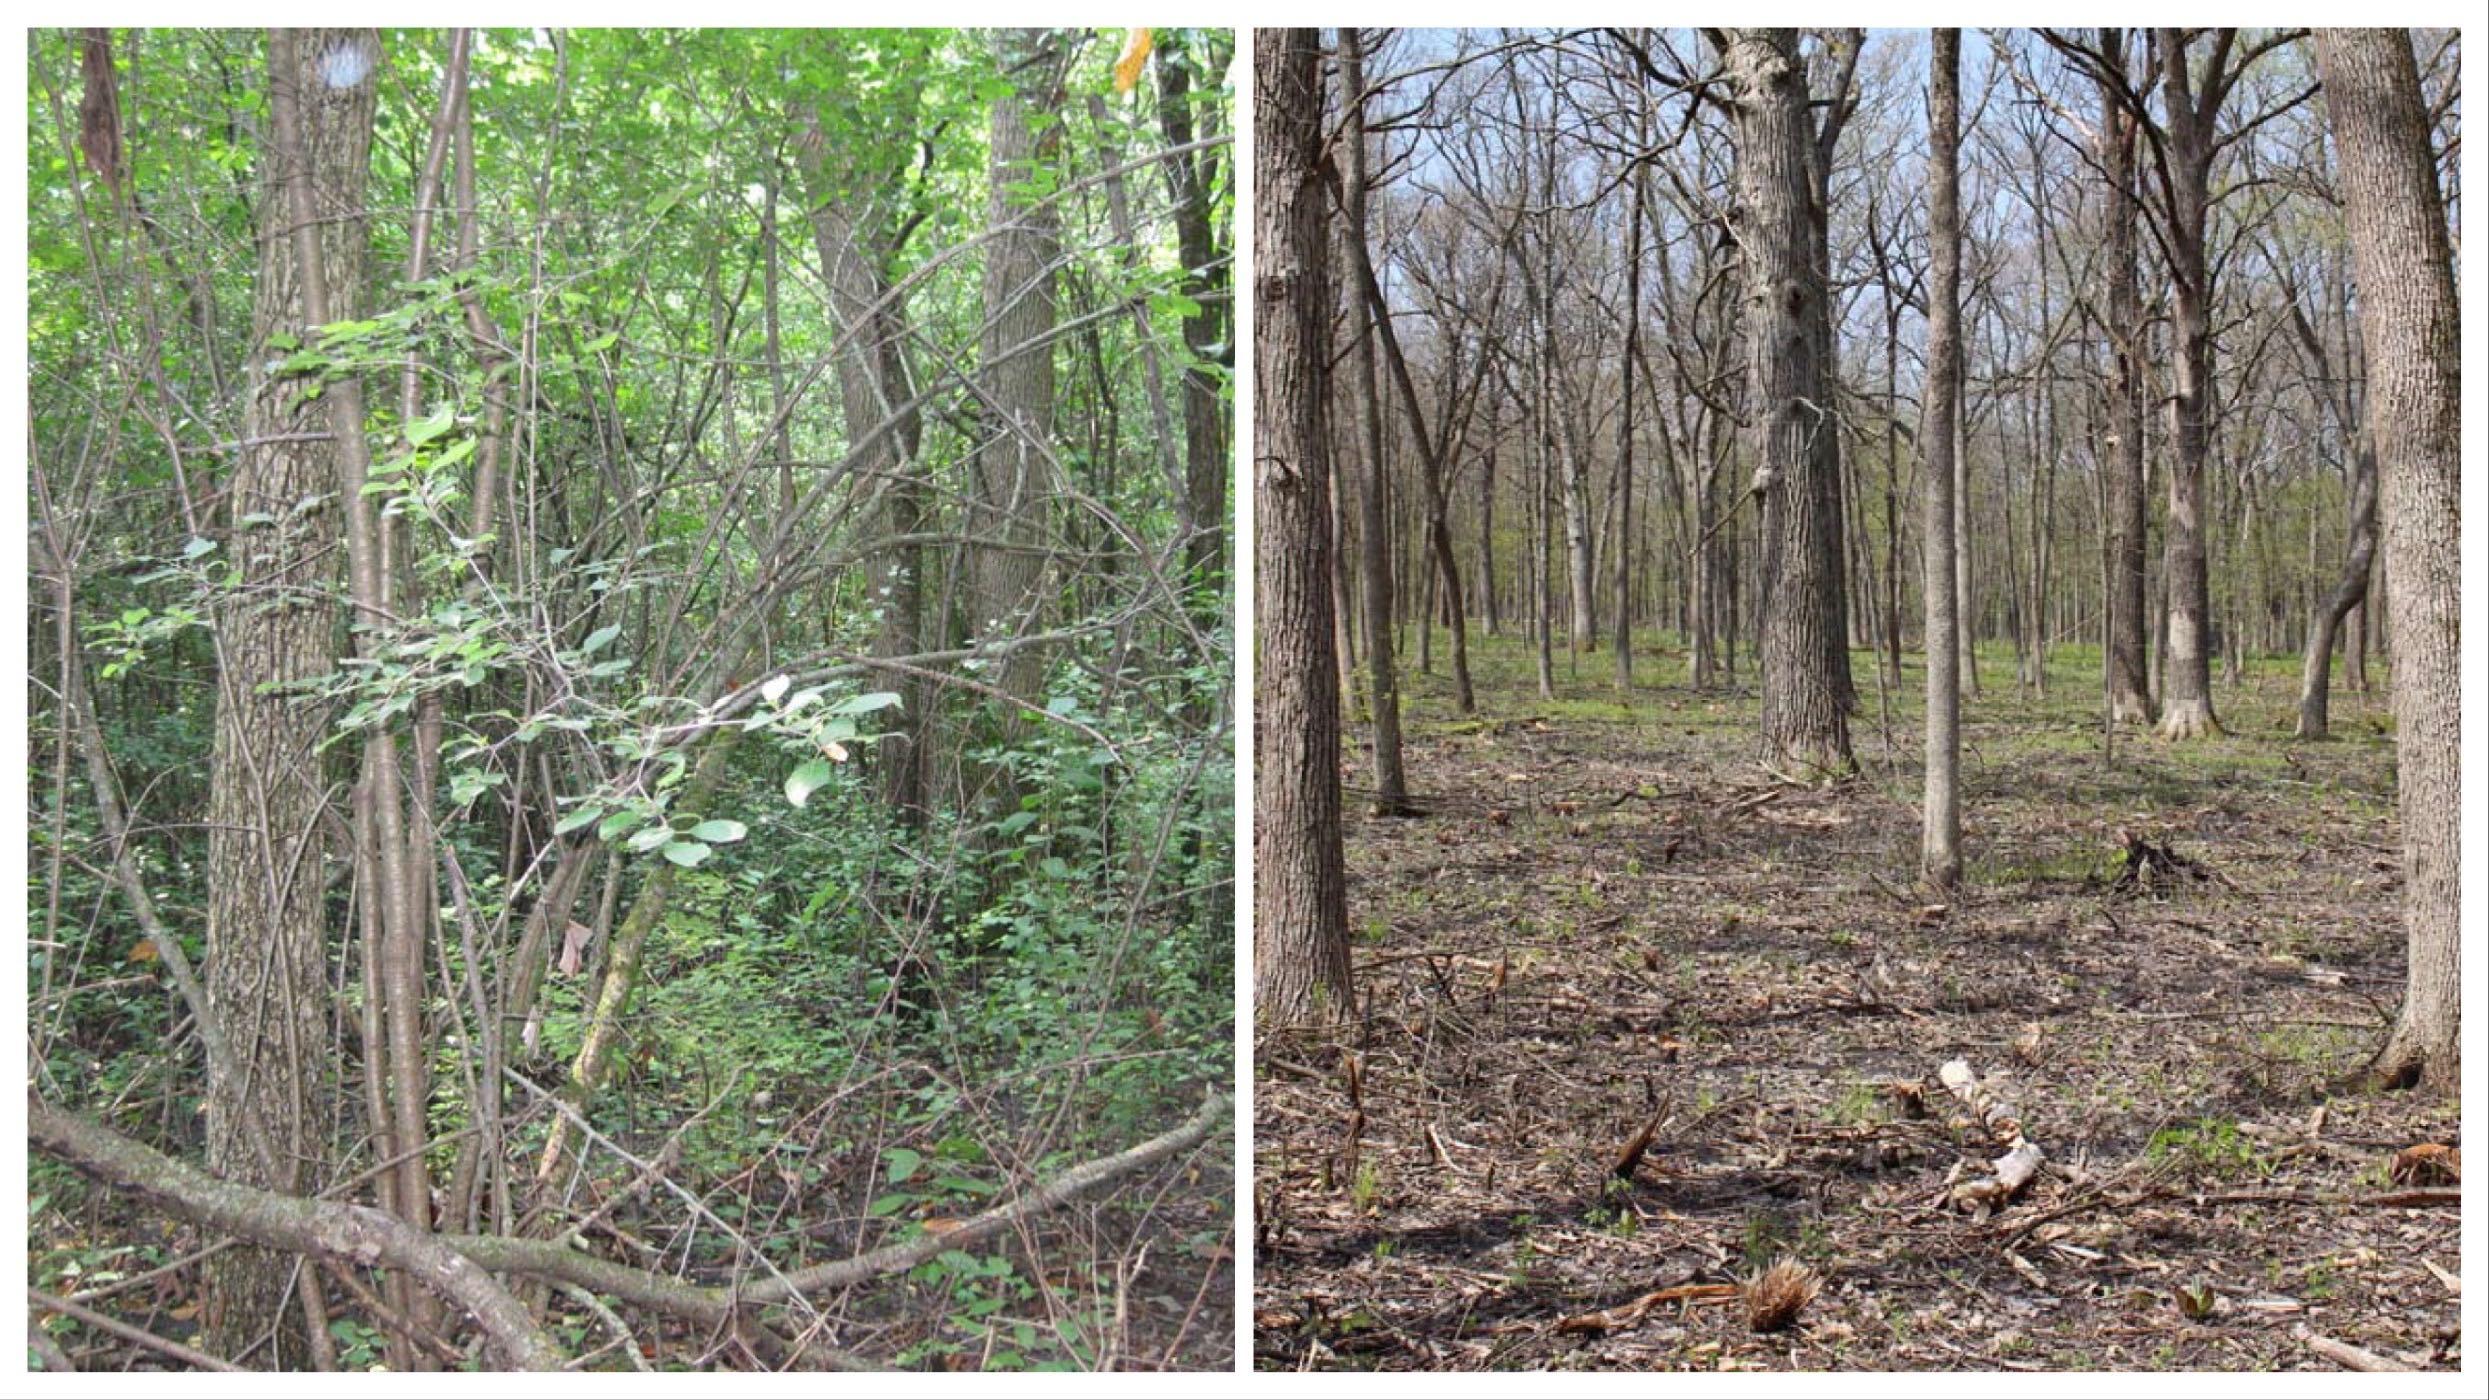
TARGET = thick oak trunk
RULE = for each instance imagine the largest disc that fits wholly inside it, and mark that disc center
(1787, 326)
(2410, 328)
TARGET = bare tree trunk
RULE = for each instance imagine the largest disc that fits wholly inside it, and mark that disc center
(2129, 689)
(1343, 605)
(2316, 665)
(2351, 590)
(2410, 327)
(1966, 620)
(1013, 478)
(2186, 674)
(1391, 785)
(1189, 180)
(267, 963)
(1624, 429)
(1207, 280)
(1300, 949)
(1430, 450)
(1488, 602)
(1940, 844)
(1805, 703)
(874, 394)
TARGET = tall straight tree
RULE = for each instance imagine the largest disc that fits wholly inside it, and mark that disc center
(1787, 328)
(1300, 893)
(1391, 784)
(2410, 328)
(876, 401)
(2128, 688)
(2187, 150)
(1014, 477)
(1940, 844)
(269, 1105)
(1622, 565)
(1190, 178)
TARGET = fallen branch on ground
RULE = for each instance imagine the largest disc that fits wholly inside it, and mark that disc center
(367, 1237)
(2022, 1157)
(331, 1229)
(714, 1306)
(2348, 1357)
(1618, 1318)
(187, 1356)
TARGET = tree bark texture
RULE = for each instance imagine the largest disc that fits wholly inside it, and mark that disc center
(1014, 478)
(1391, 784)
(2186, 671)
(2411, 331)
(1805, 718)
(1300, 947)
(1940, 845)
(2129, 690)
(267, 962)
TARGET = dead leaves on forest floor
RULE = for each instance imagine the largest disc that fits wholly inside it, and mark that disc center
(1612, 939)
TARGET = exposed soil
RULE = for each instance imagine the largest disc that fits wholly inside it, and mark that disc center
(1609, 918)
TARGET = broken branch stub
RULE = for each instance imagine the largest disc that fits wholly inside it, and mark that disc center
(2021, 1162)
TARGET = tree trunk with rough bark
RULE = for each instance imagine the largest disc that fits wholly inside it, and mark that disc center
(883, 431)
(1940, 844)
(1391, 785)
(1014, 476)
(2411, 331)
(2186, 672)
(1300, 941)
(2129, 691)
(1787, 323)
(267, 963)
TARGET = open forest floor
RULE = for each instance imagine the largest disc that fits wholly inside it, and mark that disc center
(1607, 919)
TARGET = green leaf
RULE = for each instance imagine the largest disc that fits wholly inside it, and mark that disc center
(430, 426)
(891, 1204)
(805, 781)
(721, 831)
(470, 784)
(686, 852)
(902, 1163)
(600, 639)
(585, 816)
(865, 704)
(197, 546)
(617, 824)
